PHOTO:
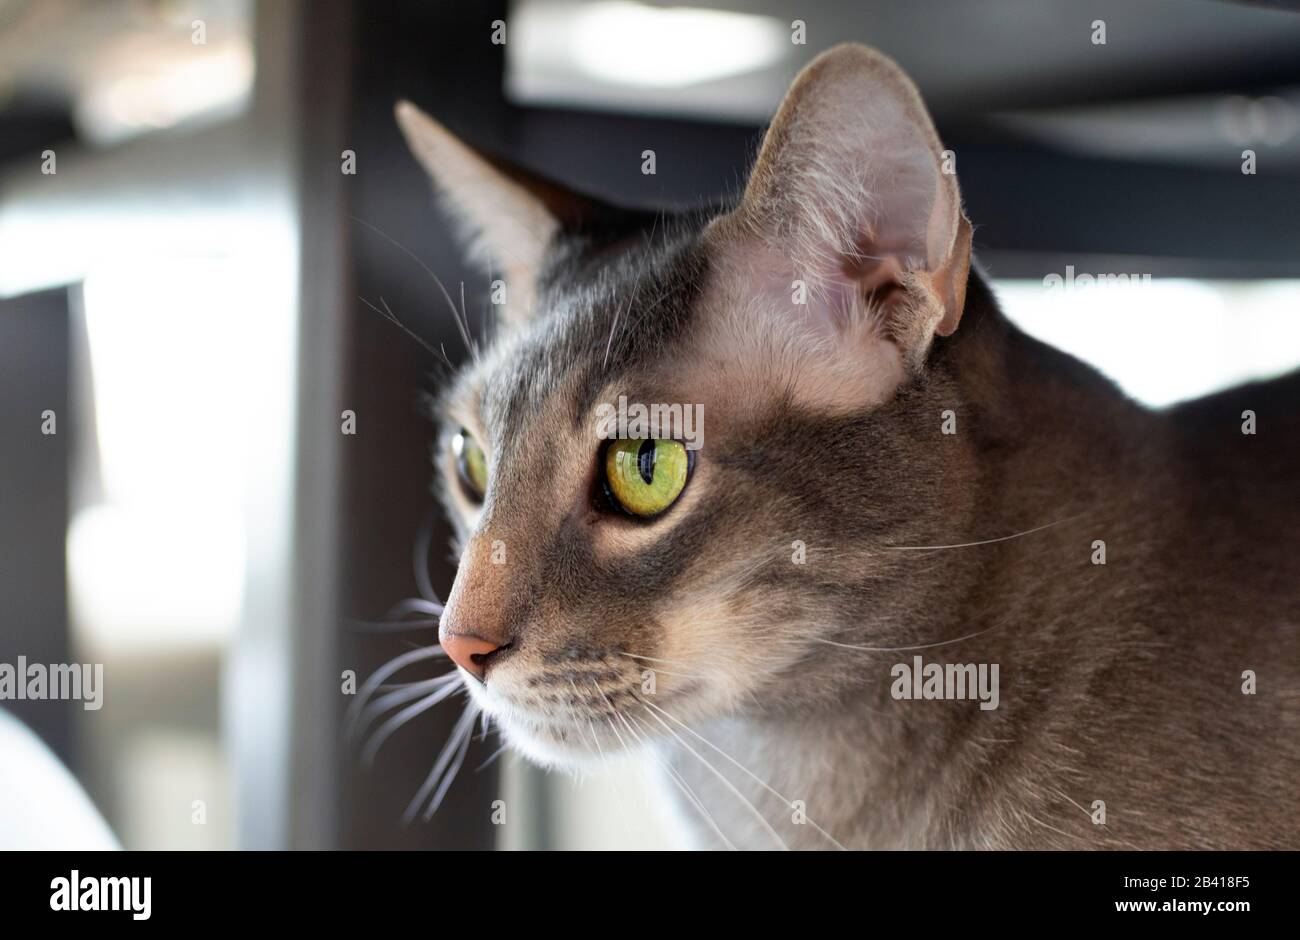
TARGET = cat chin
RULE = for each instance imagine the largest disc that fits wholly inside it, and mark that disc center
(551, 754)
(546, 749)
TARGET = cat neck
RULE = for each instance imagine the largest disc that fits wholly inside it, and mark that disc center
(1054, 457)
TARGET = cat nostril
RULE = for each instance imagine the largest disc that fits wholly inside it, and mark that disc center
(481, 659)
(471, 653)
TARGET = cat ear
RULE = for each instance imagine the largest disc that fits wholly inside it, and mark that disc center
(506, 216)
(851, 197)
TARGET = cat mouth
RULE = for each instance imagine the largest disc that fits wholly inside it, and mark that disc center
(576, 722)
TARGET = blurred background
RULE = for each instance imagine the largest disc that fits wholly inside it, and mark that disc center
(202, 200)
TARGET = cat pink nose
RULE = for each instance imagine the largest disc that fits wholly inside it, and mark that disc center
(469, 652)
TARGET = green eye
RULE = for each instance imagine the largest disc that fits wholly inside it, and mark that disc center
(471, 465)
(645, 477)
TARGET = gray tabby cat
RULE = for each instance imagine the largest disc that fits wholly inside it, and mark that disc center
(797, 616)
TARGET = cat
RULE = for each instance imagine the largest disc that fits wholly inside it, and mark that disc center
(892, 482)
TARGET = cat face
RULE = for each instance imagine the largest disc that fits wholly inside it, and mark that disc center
(611, 590)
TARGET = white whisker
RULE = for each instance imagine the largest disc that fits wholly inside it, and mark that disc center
(1004, 538)
(492, 757)
(386, 730)
(463, 726)
(431, 609)
(465, 737)
(908, 649)
(455, 314)
(652, 659)
(761, 782)
(612, 727)
(687, 792)
(636, 286)
(680, 675)
(376, 679)
(398, 696)
(394, 626)
(722, 778)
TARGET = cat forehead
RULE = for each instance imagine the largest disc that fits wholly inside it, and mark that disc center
(607, 305)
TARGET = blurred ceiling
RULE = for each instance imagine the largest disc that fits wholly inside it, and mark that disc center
(1180, 80)
(1176, 80)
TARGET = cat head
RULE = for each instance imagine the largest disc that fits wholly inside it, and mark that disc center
(675, 471)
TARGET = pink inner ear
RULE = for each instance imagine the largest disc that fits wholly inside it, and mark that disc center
(848, 197)
(869, 277)
(863, 210)
(878, 264)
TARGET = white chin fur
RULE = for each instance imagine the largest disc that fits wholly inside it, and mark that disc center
(541, 749)
(548, 753)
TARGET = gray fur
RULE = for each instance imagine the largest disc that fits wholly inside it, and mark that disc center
(1119, 682)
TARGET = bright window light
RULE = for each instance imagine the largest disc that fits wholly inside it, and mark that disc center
(155, 579)
(167, 345)
(180, 385)
(674, 46)
(1165, 340)
(652, 47)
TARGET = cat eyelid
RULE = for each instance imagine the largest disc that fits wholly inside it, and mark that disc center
(458, 420)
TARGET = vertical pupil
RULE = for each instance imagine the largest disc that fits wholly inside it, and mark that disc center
(645, 461)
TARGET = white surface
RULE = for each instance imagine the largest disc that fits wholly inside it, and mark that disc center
(1167, 340)
(626, 805)
(41, 806)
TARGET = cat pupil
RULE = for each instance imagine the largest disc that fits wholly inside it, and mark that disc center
(645, 461)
